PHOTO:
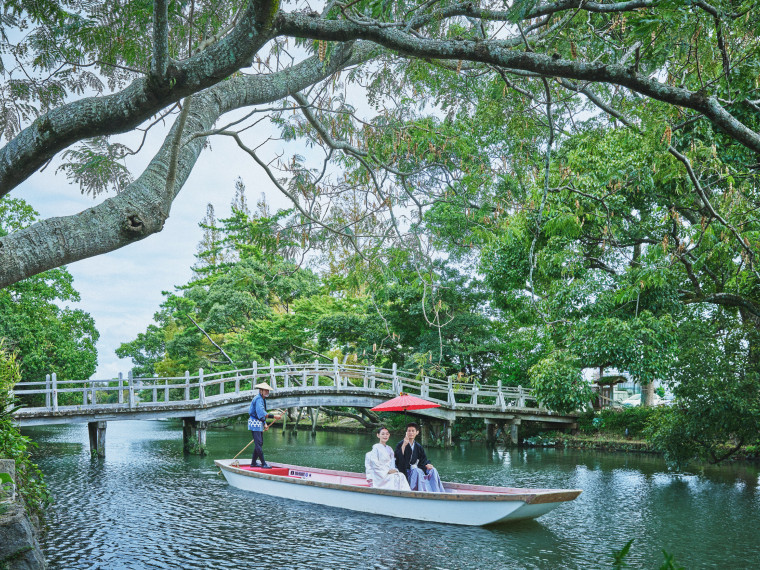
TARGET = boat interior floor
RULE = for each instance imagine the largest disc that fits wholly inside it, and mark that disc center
(354, 481)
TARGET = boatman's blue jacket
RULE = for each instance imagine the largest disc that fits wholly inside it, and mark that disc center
(257, 413)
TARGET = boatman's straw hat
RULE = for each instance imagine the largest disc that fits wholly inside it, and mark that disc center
(263, 386)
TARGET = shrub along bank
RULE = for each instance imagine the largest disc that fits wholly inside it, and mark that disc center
(642, 429)
(19, 515)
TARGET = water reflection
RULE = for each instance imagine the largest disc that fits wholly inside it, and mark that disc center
(147, 505)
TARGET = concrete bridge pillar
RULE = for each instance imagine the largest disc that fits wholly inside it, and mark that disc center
(187, 433)
(313, 414)
(513, 433)
(202, 438)
(491, 433)
(97, 432)
(298, 418)
(426, 435)
(194, 445)
(447, 439)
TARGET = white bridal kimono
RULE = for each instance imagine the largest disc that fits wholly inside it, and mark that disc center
(378, 464)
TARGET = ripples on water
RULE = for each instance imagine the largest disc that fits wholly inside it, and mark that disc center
(149, 506)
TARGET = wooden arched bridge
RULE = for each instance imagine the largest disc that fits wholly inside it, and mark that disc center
(205, 397)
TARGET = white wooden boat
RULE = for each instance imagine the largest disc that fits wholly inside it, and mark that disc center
(473, 505)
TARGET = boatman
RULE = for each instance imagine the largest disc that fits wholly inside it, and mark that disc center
(412, 461)
(257, 423)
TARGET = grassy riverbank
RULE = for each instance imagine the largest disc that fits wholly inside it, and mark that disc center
(623, 430)
(613, 442)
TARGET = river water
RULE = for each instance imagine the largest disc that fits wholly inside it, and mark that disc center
(147, 505)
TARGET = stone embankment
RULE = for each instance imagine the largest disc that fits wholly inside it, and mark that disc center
(19, 548)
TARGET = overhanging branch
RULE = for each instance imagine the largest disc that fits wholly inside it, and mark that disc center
(142, 208)
(495, 52)
(143, 98)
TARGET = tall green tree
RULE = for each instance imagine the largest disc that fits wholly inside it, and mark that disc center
(47, 335)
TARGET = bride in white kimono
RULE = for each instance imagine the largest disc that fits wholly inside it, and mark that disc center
(380, 464)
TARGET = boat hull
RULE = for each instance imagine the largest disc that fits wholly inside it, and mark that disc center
(461, 506)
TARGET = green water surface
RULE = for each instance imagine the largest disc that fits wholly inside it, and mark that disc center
(148, 505)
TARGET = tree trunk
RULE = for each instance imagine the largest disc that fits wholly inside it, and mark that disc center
(647, 395)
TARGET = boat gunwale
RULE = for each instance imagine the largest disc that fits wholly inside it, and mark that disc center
(486, 493)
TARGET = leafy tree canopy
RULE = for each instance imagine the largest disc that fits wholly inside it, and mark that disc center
(46, 336)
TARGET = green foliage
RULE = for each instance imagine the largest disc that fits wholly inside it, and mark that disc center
(635, 419)
(614, 256)
(709, 426)
(257, 304)
(717, 390)
(558, 384)
(15, 446)
(619, 556)
(96, 166)
(643, 345)
(47, 337)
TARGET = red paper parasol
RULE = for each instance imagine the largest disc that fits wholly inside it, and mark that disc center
(404, 402)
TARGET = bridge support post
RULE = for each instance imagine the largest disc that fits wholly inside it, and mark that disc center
(187, 433)
(202, 438)
(300, 414)
(194, 445)
(314, 414)
(427, 434)
(97, 432)
(491, 433)
(513, 432)
(447, 428)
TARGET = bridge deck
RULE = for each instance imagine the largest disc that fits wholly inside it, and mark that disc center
(208, 397)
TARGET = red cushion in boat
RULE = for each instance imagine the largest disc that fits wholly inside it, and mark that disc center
(273, 471)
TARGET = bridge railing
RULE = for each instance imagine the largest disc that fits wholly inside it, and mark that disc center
(205, 388)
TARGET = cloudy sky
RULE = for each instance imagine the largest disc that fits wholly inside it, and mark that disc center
(122, 289)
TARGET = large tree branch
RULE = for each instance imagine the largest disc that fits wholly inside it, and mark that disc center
(730, 300)
(144, 97)
(470, 10)
(120, 112)
(142, 208)
(495, 52)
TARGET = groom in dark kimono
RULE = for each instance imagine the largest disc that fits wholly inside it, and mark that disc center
(412, 461)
